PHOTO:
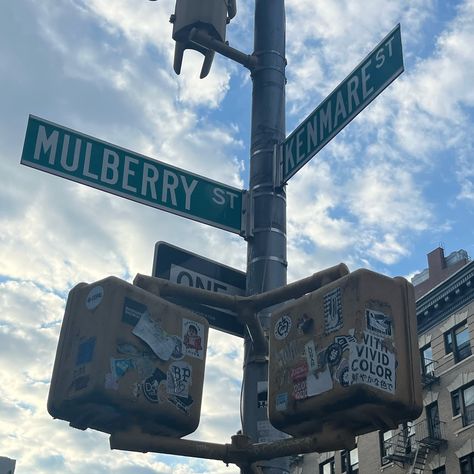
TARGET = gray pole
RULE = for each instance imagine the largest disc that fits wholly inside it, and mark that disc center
(266, 255)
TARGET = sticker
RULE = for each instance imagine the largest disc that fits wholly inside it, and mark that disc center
(299, 390)
(281, 402)
(85, 351)
(94, 297)
(333, 354)
(120, 366)
(182, 403)
(311, 358)
(145, 366)
(282, 327)
(136, 390)
(128, 349)
(320, 383)
(299, 372)
(378, 322)
(177, 353)
(305, 324)
(80, 383)
(179, 379)
(132, 311)
(150, 331)
(111, 382)
(262, 394)
(80, 379)
(372, 364)
(193, 333)
(345, 341)
(289, 353)
(342, 374)
(332, 311)
(150, 386)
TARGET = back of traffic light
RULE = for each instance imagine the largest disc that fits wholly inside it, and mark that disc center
(127, 359)
(210, 16)
(344, 359)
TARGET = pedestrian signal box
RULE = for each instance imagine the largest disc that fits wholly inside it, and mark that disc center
(127, 359)
(344, 359)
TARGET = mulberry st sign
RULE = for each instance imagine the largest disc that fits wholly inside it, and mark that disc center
(63, 152)
(381, 67)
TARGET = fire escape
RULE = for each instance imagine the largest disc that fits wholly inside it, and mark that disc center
(410, 447)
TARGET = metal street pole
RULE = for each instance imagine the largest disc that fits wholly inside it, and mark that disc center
(266, 254)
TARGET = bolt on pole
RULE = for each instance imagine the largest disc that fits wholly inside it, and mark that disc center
(266, 253)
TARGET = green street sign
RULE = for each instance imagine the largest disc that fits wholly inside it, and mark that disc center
(381, 67)
(73, 155)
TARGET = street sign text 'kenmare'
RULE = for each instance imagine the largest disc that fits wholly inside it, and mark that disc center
(58, 150)
(382, 66)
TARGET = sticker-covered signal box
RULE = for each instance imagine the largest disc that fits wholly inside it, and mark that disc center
(345, 358)
(127, 358)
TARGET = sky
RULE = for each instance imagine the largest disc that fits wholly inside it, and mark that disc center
(395, 184)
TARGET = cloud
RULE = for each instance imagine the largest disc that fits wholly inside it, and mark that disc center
(369, 198)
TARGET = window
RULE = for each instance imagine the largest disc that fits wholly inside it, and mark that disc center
(427, 362)
(463, 403)
(432, 419)
(327, 467)
(386, 446)
(350, 461)
(456, 340)
(439, 470)
(467, 464)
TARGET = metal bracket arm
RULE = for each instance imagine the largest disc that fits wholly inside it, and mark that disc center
(240, 452)
(203, 38)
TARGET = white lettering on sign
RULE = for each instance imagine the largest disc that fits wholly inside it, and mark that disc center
(108, 165)
(349, 98)
(222, 196)
(46, 144)
(114, 169)
(186, 277)
(372, 364)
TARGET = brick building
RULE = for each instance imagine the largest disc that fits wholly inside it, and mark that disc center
(441, 440)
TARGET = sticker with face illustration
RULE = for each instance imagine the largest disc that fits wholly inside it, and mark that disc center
(193, 335)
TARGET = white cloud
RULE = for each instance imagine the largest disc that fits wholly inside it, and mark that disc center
(367, 199)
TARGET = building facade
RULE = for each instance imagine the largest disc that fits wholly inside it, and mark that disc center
(441, 440)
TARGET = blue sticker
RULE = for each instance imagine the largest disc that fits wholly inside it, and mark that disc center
(282, 401)
(85, 351)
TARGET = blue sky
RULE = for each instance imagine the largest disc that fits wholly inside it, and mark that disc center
(391, 187)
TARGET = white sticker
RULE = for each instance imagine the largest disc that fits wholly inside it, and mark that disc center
(311, 358)
(372, 364)
(150, 331)
(179, 378)
(378, 322)
(282, 327)
(193, 334)
(281, 403)
(262, 394)
(94, 297)
(319, 384)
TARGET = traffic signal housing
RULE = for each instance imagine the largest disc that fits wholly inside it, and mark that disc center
(126, 359)
(344, 359)
(211, 16)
